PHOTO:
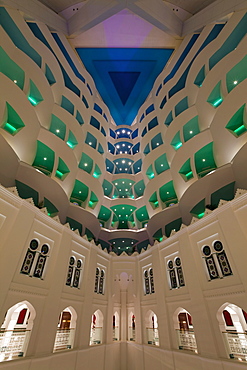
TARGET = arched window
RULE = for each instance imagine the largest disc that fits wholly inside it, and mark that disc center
(16, 331)
(35, 259)
(184, 329)
(146, 282)
(132, 327)
(152, 328)
(175, 273)
(151, 279)
(65, 330)
(216, 261)
(74, 272)
(115, 326)
(233, 325)
(99, 286)
(96, 332)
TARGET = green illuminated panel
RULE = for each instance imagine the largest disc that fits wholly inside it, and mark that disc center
(93, 200)
(34, 95)
(123, 188)
(57, 127)
(13, 123)
(204, 160)
(161, 164)
(176, 141)
(236, 124)
(174, 225)
(75, 225)
(200, 77)
(86, 163)
(97, 173)
(10, 69)
(199, 209)
(150, 172)
(51, 209)
(191, 128)
(107, 188)
(72, 142)
(236, 75)
(79, 193)
(153, 200)
(215, 98)
(185, 171)
(62, 169)
(167, 194)
(142, 214)
(139, 188)
(44, 159)
(49, 75)
(104, 214)
(122, 215)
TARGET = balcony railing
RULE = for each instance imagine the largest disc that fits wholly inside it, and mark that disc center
(236, 344)
(64, 339)
(95, 336)
(153, 336)
(187, 340)
(13, 343)
(132, 334)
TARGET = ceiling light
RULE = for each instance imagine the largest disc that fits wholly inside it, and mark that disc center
(121, 152)
(204, 160)
(123, 131)
(235, 82)
(118, 146)
(118, 132)
(15, 81)
(123, 144)
(45, 158)
(57, 130)
(85, 164)
(90, 143)
(80, 192)
(162, 165)
(128, 132)
(123, 161)
(191, 132)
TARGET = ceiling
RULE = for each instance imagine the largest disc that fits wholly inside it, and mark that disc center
(191, 6)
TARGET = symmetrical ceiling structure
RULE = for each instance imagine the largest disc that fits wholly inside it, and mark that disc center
(130, 171)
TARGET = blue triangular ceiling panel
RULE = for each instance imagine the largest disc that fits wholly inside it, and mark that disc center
(124, 76)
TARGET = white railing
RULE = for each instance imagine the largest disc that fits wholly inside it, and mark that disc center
(95, 336)
(132, 334)
(13, 343)
(187, 340)
(236, 344)
(64, 339)
(115, 333)
(153, 336)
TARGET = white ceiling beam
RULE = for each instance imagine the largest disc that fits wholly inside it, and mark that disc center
(157, 13)
(33, 9)
(93, 13)
(212, 13)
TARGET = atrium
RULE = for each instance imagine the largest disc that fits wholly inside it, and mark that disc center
(123, 196)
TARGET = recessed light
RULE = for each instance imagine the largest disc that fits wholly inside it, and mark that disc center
(204, 160)
(15, 81)
(85, 164)
(57, 130)
(191, 132)
(235, 82)
(45, 158)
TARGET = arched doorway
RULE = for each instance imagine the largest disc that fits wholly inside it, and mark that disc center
(233, 325)
(96, 332)
(152, 328)
(184, 329)
(16, 331)
(66, 330)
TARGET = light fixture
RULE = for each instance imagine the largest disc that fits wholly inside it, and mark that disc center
(123, 144)
(123, 131)
(235, 82)
(80, 192)
(162, 165)
(45, 158)
(15, 81)
(123, 161)
(118, 146)
(57, 130)
(191, 132)
(204, 160)
(90, 143)
(167, 192)
(85, 164)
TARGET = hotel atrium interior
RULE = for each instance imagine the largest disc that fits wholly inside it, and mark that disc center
(123, 184)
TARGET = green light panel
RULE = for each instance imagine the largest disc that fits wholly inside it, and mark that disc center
(142, 214)
(49, 75)
(215, 98)
(26, 192)
(167, 194)
(185, 171)
(176, 142)
(150, 172)
(44, 159)
(204, 160)
(139, 188)
(200, 77)
(107, 188)
(104, 214)
(13, 123)
(123, 188)
(199, 209)
(174, 225)
(72, 142)
(34, 95)
(86, 163)
(236, 75)
(51, 209)
(153, 200)
(57, 127)
(79, 193)
(191, 128)
(75, 225)
(236, 124)
(122, 214)
(62, 169)
(161, 164)
(10, 69)
(93, 200)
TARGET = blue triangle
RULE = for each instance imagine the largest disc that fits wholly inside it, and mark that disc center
(124, 83)
(108, 66)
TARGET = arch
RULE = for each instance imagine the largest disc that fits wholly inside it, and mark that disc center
(16, 329)
(183, 325)
(233, 326)
(96, 332)
(131, 326)
(151, 322)
(66, 329)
